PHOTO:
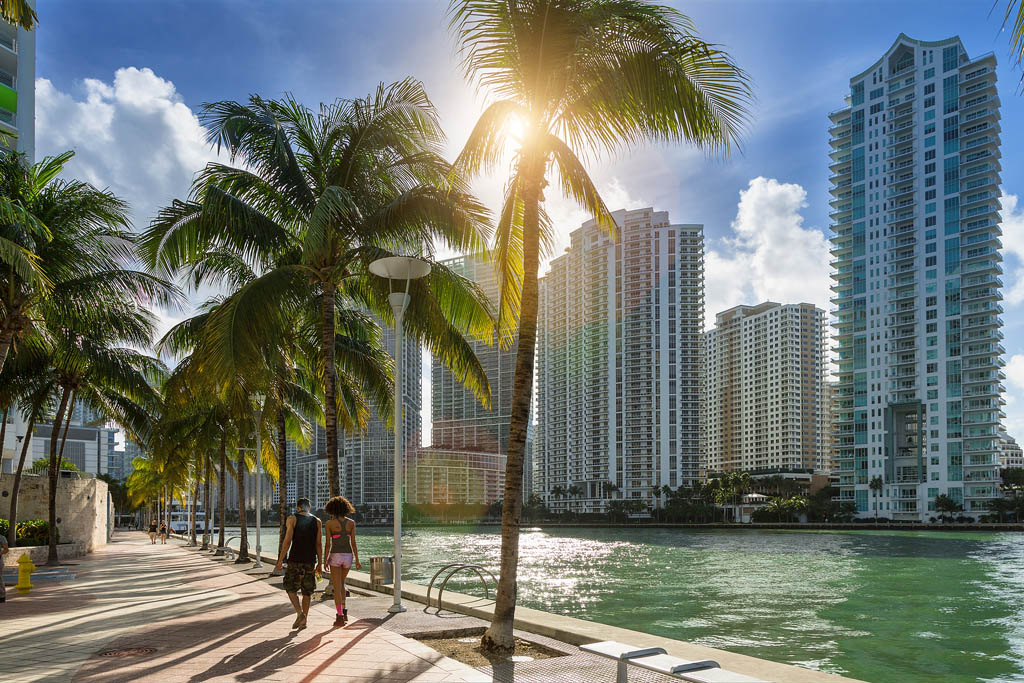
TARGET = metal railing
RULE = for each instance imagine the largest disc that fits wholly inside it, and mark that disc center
(455, 568)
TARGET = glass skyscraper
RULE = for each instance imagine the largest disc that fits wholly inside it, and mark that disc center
(915, 199)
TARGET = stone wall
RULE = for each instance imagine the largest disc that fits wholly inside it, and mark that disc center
(82, 507)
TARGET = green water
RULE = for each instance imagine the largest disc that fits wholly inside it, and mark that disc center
(873, 605)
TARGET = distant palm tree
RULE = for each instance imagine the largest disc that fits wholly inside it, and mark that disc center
(876, 484)
(578, 77)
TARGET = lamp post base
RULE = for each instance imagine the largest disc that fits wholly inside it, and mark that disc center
(396, 609)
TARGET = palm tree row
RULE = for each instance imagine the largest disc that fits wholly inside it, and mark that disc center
(73, 311)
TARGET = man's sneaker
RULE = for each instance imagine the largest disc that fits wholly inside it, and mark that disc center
(339, 620)
(299, 620)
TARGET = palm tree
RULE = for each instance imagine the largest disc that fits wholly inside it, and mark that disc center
(876, 484)
(321, 196)
(578, 77)
(19, 13)
(1015, 7)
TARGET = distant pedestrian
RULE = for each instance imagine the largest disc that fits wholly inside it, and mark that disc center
(340, 550)
(152, 532)
(4, 549)
(163, 533)
(305, 560)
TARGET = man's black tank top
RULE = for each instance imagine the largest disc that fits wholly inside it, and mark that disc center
(304, 540)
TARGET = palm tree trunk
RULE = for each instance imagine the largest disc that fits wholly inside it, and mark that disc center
(330, 388)
(282, 474)
(16, 487)
(51, 558)
(498, 637)
(6, 337)
(243, 543)
(222, 486)
(206, 502)
(192, 516)
(64, 436)
(3, 428)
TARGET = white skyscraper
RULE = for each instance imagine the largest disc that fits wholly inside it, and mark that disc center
(764, 390)
(17, 89)
(915, 198)
(617, 363)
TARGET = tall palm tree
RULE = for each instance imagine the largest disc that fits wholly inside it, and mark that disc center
(1014, 18)
(322, 195)
(579, 77)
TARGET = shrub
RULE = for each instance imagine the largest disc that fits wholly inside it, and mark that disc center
(30, 532)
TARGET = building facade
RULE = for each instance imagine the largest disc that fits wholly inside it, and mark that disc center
(1010, 452)
(465, 462)
(368, 457)
(617, 363)
(764, 407)
(17, 89)
(915, 199)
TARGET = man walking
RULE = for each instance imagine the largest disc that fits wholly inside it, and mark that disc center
(305, 559)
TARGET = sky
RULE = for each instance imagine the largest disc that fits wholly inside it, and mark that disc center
(121, 83)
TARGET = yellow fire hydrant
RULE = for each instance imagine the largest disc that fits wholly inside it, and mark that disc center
(25, 569)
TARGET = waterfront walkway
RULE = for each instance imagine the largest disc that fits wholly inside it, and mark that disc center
(204, 621)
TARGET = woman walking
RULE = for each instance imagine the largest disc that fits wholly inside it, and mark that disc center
(163, 533)
(152, 532)
(340, 550)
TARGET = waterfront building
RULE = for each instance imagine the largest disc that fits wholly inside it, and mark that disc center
(617, 363)
(915, 199)
(465, 462)
(1010, 452)
(17, 89)
(368, 456)
(763, 372)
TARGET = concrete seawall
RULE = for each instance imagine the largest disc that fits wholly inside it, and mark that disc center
(579, 631)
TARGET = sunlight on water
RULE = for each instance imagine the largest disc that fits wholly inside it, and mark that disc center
(874, 605)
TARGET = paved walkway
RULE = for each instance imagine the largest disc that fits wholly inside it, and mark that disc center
(206, 621)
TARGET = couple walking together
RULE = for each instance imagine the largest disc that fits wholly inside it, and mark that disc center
(306, 555)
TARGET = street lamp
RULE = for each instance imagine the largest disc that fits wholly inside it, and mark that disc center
(396, 269)
(259, 478)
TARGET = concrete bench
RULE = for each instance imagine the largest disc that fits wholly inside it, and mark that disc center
(657, 660)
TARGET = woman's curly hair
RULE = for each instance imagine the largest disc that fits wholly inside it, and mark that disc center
(339, 506)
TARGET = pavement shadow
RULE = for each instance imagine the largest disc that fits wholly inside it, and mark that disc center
(174, 631)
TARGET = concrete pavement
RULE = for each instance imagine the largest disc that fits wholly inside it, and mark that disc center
(203, 620)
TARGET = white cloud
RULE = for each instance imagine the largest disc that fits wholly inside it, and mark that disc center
(133, 135)
(770, 255)
(1013, 245)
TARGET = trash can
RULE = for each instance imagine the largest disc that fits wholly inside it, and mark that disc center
(382, 571)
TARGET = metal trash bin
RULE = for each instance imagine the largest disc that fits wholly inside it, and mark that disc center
(382, 571)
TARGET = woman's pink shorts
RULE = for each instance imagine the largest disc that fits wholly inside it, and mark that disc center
(343, 560)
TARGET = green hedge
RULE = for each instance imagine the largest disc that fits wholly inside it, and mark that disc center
(30, 532)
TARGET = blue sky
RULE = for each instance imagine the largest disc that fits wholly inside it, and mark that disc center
(135, 131)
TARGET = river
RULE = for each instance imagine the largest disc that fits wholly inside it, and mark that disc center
(874, 605)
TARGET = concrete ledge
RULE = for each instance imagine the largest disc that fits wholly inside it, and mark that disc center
(579, 632)
(38, 553)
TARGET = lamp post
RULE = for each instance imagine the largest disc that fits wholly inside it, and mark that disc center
(396, 269)
(259, 478)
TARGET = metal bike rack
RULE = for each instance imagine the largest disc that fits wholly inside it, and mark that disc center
(229, 552)
(456, 567)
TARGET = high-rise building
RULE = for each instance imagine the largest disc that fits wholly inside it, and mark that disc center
(763, 378)
(915, 199)
(465, 462)
(17, 89)
(617, 363)
(369, 456)
(1010, 452)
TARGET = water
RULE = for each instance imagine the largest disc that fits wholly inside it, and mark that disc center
(873, 605)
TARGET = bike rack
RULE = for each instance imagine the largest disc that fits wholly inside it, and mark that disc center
(229, 552)
(456, 567)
